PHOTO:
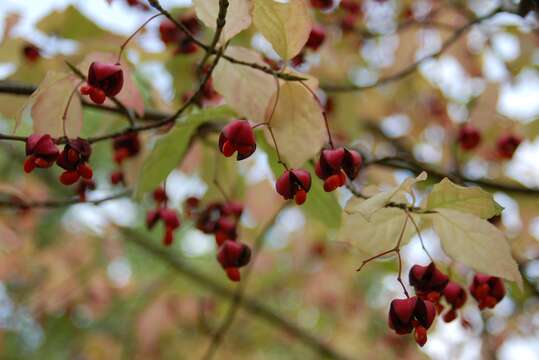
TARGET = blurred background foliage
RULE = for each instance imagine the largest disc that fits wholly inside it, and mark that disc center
(76, 284)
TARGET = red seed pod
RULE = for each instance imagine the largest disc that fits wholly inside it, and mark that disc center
(160, 195)
(151, 218)
(316, 37)
(233, 254)
(507, 145)
(351, 6)
(237, 136)
(225, 230)
(73, 159)
(233, 208)
(348, 22)
(427, 279)
(117, 177)
(170, 218)
(31, 52)
(487, 290)
(322, 4)
(298, 60)
(169, 32)
(410, 314)
(41, 151)
(233, 274)
(455, 295)
(104, 79)
(295, 184)
(469, 137)
(83, 187)
(125, 146)
(333, 164)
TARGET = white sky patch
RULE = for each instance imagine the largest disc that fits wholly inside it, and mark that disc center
(194, 243)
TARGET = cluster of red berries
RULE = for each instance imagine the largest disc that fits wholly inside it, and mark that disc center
(469, 138)
(221, 220)
(417, 313)
(42, 152)
(171, 35)
(103, 80)
(162, 213)
(125, 146)
(333, 166)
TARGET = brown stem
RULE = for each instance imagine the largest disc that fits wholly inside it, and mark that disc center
(124, 44)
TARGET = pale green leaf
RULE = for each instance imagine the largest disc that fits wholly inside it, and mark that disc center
(367, 208)
(473, 200)
(248, 91)
(48, 103)
(70, 24)
(238, 17)
(171, 147)
(298, 124)
(476, 243)
(379, 234)
(285, 25)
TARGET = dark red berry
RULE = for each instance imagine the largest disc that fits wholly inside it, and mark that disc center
(351, 6)
(237, 137)
(334, 164)
(73, 159)
(469, 137)
(455, 296)
(160, 195)
(507, 145)
(322, 4)
(233, 254)
(427, 279)
(117, 177)
(41, 152)
(316, 37)
(487, 290)
(125, 146)
(295, 184)
(31, 52)
(410, 314)
(104, 80)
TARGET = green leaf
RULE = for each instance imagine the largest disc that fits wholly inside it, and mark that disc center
(367, 208)
(473, 200)
(170, 148)
(285, 25)
(379, 234)
(476, 243)
(70, 24)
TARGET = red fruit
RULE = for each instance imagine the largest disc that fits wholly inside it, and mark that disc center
(31, 52)
(294, 183)
(169, 32)
(74, 157)
(85, 171)
(151, 218)
(487, 290)
(334, 164)
(348, 22)
(117, 177)
(469, 137)
(410, 314)
(41, 152)
(160, 195)
(351, 6)
(186, 47)
(103, 80)
(455, 295)
(233, 274)
(125, 146)
(233, 254)
(83, 187)
(427, 279)
(316, 37)
(322, 4)
(507, 145)
(298, 60)
(170, 218)
(237, 136)
(69, 177)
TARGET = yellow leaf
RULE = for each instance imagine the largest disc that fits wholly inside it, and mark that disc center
(238, 17)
